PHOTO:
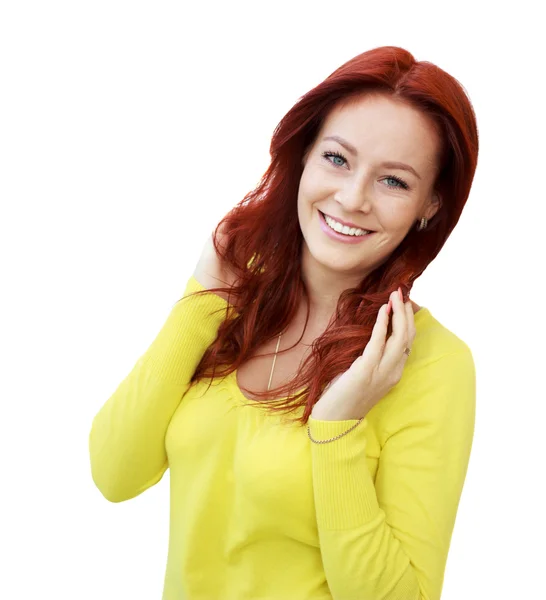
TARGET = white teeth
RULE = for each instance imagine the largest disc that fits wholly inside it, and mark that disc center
(343, 228)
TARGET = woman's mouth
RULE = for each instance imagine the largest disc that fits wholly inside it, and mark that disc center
(339, 235)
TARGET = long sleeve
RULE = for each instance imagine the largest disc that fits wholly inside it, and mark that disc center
(127, 437)
(389, 540)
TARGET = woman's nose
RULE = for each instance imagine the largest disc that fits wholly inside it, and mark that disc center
(355, 199)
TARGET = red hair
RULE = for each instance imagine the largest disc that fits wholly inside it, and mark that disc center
(263, 238)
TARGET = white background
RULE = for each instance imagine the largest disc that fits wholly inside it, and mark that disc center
(127, 131)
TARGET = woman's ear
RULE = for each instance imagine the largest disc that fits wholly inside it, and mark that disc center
(434, 205)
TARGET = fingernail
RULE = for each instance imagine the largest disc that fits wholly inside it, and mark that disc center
(400, 294)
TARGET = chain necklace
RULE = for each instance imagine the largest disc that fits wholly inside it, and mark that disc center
(274, 360)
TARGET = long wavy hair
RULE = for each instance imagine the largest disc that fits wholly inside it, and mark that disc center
(262, 239)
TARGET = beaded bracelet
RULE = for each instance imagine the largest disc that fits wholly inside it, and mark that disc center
(334, 438)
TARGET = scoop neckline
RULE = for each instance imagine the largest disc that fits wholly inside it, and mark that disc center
(232, 377)
(251, 401)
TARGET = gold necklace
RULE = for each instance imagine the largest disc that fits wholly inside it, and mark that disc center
(274, 359)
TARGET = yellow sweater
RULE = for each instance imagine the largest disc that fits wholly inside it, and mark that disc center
(258, 511)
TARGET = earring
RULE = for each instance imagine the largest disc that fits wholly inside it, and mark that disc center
(423, 224)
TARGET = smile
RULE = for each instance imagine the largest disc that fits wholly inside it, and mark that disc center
(342, 233)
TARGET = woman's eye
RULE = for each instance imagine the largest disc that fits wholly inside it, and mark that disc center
(338, 159)
(398, 183)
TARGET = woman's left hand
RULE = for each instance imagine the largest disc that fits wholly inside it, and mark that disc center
(379, 368)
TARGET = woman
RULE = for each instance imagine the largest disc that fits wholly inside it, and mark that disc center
(356, 495)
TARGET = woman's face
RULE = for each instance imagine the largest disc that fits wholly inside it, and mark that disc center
(349, 178)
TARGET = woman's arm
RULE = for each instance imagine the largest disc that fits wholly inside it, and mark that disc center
(127, 437)
(390, 540)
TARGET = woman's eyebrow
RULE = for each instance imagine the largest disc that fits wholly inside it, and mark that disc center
(389, 164)
(349, 147)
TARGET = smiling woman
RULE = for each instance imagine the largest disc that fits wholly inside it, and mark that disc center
(370, 171)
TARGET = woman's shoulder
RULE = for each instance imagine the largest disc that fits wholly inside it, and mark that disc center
(436, 339)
